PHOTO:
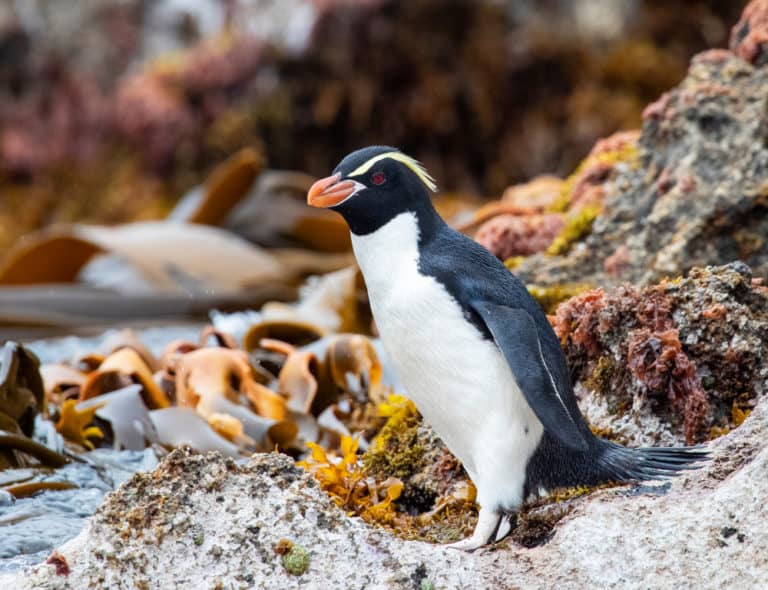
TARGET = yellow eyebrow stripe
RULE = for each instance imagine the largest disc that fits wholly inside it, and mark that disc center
(415, 167)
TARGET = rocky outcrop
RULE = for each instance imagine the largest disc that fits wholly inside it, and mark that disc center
(207, 522)
(698, 192)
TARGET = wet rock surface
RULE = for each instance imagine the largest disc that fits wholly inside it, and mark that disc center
(204, 521)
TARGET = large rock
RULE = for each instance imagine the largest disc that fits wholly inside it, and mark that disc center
(698, 194)
(205, 522)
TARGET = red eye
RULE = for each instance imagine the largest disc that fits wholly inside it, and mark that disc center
(378, 178)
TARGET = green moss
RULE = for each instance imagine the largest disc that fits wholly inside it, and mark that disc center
(549, 297)
(427, 584)
(198, 539)
(296, 561)
(577, 225)
(396, 451)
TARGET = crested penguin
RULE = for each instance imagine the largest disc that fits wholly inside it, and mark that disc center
(473, 349)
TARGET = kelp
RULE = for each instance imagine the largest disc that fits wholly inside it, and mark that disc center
(10, 441)
(22, 394)
(75, 424)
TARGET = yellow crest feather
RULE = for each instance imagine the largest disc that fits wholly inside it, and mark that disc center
(414, 165)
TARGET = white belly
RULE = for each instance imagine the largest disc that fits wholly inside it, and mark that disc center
(460, 382)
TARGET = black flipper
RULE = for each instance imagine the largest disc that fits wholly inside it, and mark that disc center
(539, 369)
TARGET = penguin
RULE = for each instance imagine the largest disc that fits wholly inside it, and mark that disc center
(472, 348)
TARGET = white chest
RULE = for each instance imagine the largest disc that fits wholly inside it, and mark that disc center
(459, 381)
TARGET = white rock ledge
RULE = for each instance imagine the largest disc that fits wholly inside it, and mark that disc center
(203, 522)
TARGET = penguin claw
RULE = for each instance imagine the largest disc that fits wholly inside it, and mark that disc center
(469, 545)
(505, 527)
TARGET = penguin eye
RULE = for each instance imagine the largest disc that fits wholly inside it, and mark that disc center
(378, 178)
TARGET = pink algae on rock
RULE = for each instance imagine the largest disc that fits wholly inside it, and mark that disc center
(693, 348)
(657, 360)
(749, 36)
(639, 325)
(519, 235)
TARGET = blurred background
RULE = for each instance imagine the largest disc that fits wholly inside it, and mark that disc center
(111, 111)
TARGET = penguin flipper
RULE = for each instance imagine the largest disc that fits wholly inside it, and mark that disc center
(543, 384)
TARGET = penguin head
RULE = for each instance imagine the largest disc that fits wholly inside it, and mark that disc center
(373, 185)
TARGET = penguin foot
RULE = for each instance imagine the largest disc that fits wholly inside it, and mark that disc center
(489, 523)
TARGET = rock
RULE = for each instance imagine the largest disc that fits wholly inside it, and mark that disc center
(696, 195)
(680, 360)
(206, 522)
(536, 195)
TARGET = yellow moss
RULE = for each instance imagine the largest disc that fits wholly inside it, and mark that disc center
(549, 297)
(602, 432)
(395, 450)
(602, 375)
(718, 431)
(577, 225)
(396, 408)
(448, 525)
(628, 154)
(563, 494)
(738, 415)
(513, 262)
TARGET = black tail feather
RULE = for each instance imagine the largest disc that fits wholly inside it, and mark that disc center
(619, 463)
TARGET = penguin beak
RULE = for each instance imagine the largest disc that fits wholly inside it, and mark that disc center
(328, 192)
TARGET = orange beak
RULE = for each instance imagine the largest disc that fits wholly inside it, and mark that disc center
(328, 192)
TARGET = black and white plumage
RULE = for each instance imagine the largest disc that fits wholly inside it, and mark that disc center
(472, 347)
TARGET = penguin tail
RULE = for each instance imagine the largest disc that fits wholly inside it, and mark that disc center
(620, 464)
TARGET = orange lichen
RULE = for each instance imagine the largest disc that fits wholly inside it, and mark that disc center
(639, 327)
(750, 35)
(58, 561)
(715, 312)
(617, 261)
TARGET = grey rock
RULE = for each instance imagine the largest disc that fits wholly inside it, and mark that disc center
(699, 194)
(206, 522)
